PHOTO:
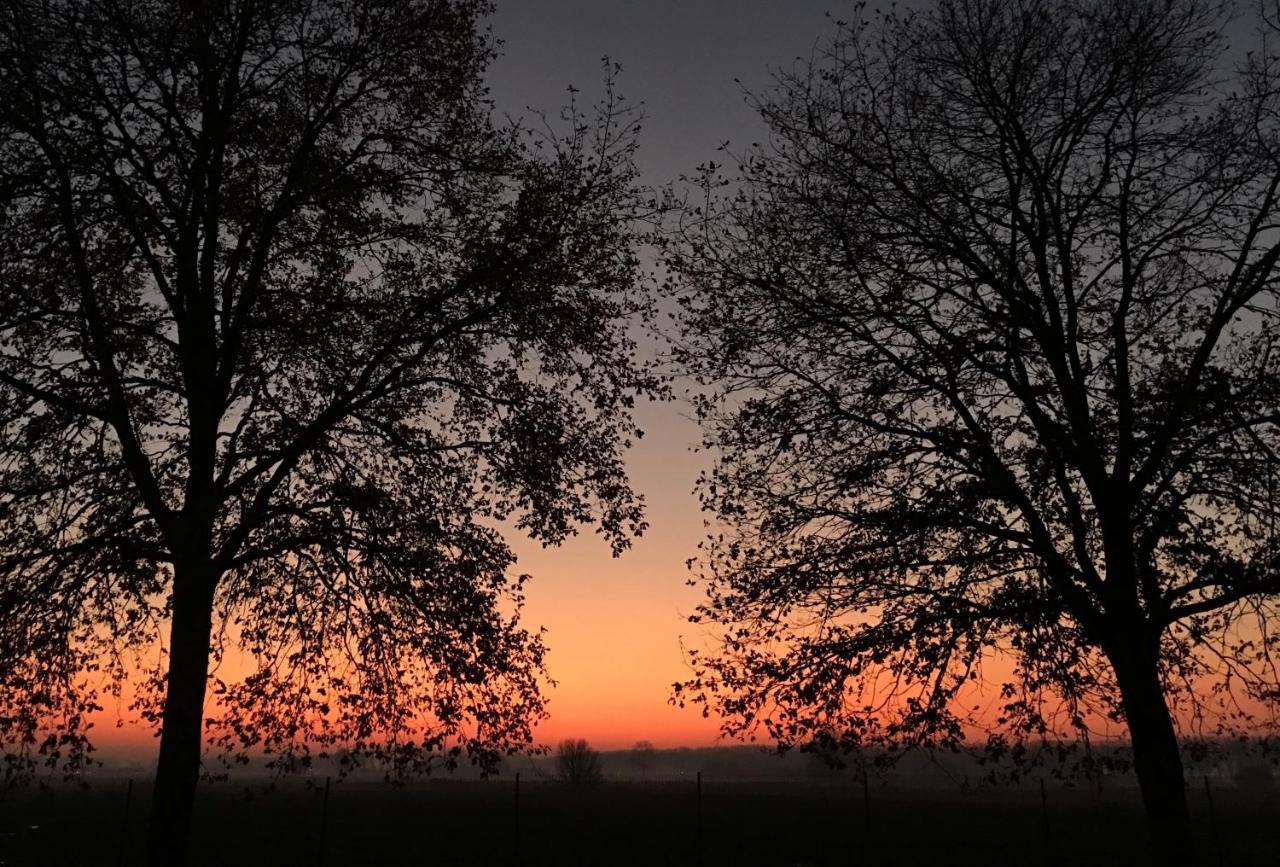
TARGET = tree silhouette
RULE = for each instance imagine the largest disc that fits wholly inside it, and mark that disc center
(288, 325)
(577, 763)
(642, 757)
(989, 334)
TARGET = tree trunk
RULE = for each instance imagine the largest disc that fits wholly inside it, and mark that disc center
(1156, 757)
(181, 734)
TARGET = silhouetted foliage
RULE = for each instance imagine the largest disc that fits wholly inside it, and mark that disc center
(288, 325)
(989, 334)
(577, 763)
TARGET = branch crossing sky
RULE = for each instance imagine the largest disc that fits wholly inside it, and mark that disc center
(615, 626)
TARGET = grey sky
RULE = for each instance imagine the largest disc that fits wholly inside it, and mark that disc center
(679, 58)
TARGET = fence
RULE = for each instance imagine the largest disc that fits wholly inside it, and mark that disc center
(702, 820)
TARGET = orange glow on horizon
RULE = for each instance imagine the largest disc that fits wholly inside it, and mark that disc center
(615, 626)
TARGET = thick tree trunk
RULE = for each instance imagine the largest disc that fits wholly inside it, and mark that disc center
(1156, 756)
(178, 769)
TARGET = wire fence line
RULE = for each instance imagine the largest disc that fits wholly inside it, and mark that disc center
(703, 820)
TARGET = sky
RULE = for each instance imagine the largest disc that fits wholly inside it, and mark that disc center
(615, 627)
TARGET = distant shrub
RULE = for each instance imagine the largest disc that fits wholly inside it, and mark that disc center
(577, 763)
(642, 757)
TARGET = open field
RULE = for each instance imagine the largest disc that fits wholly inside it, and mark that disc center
(450, 822)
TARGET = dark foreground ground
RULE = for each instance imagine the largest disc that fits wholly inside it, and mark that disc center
(479, 823)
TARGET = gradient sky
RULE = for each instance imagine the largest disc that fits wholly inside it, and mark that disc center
(615, 626)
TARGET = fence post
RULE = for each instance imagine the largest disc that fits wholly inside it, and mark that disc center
(1097, 804)
(516, 823)
(122, 857)
(699, 843)
(1213, 822)
(324, 823)
(866, 804)
(1044, 812)
(36, 845)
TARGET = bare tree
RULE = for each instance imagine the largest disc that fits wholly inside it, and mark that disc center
(288, 326)
(642, 757)
(989, 330)
(577, 763)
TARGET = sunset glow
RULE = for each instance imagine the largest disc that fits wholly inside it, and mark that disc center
(697, 432)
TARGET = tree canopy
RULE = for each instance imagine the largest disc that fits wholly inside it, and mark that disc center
(577, 763)
(988, 334)
(292, 329)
